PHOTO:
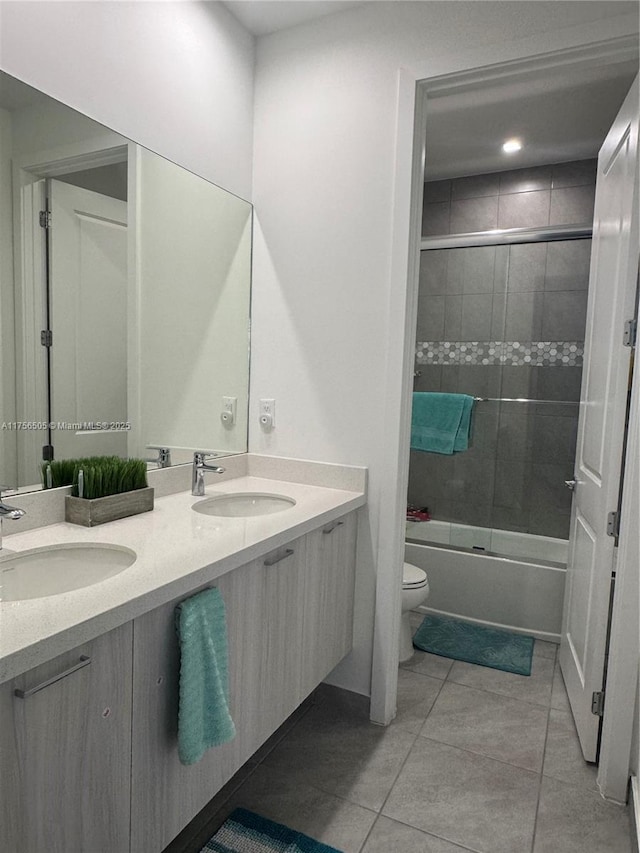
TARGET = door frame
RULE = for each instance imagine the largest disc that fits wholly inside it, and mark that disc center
(28, 258)
(548, 50)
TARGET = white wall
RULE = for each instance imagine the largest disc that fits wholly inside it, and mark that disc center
(324, 168)
(176, 77)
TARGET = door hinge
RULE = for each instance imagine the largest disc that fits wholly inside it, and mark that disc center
(45, 219)
(613, 524)
(597, 703)
(630, 333)
(46, 338)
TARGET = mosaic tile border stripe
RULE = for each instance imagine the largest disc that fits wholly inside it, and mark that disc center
(514, 353)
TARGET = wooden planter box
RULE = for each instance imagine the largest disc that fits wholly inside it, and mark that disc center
(89, 513)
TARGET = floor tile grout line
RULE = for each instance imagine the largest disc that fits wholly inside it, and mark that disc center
(541, 777)
(506, 695)
(401, 768)
(426, 832)
(481, 754)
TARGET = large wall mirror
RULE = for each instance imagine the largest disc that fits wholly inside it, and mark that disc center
(124, 297)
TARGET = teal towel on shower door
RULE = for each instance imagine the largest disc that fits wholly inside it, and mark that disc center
(203, 713)
(441, 423)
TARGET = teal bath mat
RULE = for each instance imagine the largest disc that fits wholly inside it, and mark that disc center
(465, 641)
(246, 832)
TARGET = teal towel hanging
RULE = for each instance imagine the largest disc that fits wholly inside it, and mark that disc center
(441, 423)
(203, 712)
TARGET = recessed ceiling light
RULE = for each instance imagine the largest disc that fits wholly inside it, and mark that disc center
(511, 146)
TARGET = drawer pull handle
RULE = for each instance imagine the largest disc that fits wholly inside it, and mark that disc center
(273, 560)
(332, 527)
(85, 660)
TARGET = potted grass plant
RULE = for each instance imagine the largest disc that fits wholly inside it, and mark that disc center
(105, 488)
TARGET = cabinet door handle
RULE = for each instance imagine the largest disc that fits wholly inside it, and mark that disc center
(331, 527)
(85, 660)
(273, 560)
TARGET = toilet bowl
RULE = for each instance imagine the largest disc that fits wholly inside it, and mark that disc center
(415, 589)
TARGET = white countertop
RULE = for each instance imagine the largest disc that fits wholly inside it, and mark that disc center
(177, 551)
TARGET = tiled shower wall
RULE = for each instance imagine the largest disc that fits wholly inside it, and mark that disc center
(505, 321)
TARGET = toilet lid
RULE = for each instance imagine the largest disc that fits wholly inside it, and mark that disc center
(412, 576)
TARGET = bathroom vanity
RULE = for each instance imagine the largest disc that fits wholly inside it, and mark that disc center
(90, 677)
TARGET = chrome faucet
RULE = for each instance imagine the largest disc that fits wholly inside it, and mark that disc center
(197, 473)
(7, 511)
(163, 459)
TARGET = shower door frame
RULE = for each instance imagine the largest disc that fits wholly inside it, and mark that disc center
(606, 42)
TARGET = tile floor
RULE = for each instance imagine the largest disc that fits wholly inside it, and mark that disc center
(476, 760)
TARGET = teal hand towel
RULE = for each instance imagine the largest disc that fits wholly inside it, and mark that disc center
(203, 710)
(441, 423)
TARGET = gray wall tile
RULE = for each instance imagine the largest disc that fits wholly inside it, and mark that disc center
(549, 521)
(525, 180)
(450, 378)
(498, 316)
(574, 174)
(472, 480)
(476, 317)
(435, 218)
(527, 263)
(475, 186)
(456, 271)
(430, 318)
(568, 265)
(433, 272)
(484, 430)
(471, 270)
(430, 378)
(558, 383)
(474, 214)
(510, 518)
(524, 317)
(515, 433)
(479, 380)
(524, 210)
(548, 488)
(520, 382)
(461, 512)
(437, 191)
(564, 316)
(554, 438)
(573, 205)
(513, 484)
(453, 318)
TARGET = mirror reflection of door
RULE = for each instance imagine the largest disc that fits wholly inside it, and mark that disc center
(88, 321)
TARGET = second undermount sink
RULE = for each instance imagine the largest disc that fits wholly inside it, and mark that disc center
(52, 570)
(243, 504)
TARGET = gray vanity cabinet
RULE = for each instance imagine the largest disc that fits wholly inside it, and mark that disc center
(88, 741)
(287, 612)
(328, 599)
(65, 751)
(264, 615)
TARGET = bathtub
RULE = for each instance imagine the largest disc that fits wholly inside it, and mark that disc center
(509, 580)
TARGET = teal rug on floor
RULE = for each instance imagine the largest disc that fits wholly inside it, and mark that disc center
(453, 638)
(246, 832)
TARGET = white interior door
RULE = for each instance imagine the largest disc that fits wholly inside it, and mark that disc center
(88, 299)
(612, 285)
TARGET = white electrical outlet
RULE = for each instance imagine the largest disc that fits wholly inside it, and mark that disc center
(267, 413)
(228, 413)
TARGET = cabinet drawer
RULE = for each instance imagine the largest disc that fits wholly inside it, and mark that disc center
(66, 751)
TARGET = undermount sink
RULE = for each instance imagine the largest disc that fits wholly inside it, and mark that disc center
(52, 570)
(243, 504)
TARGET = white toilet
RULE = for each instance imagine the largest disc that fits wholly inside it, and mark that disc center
(415, 589)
